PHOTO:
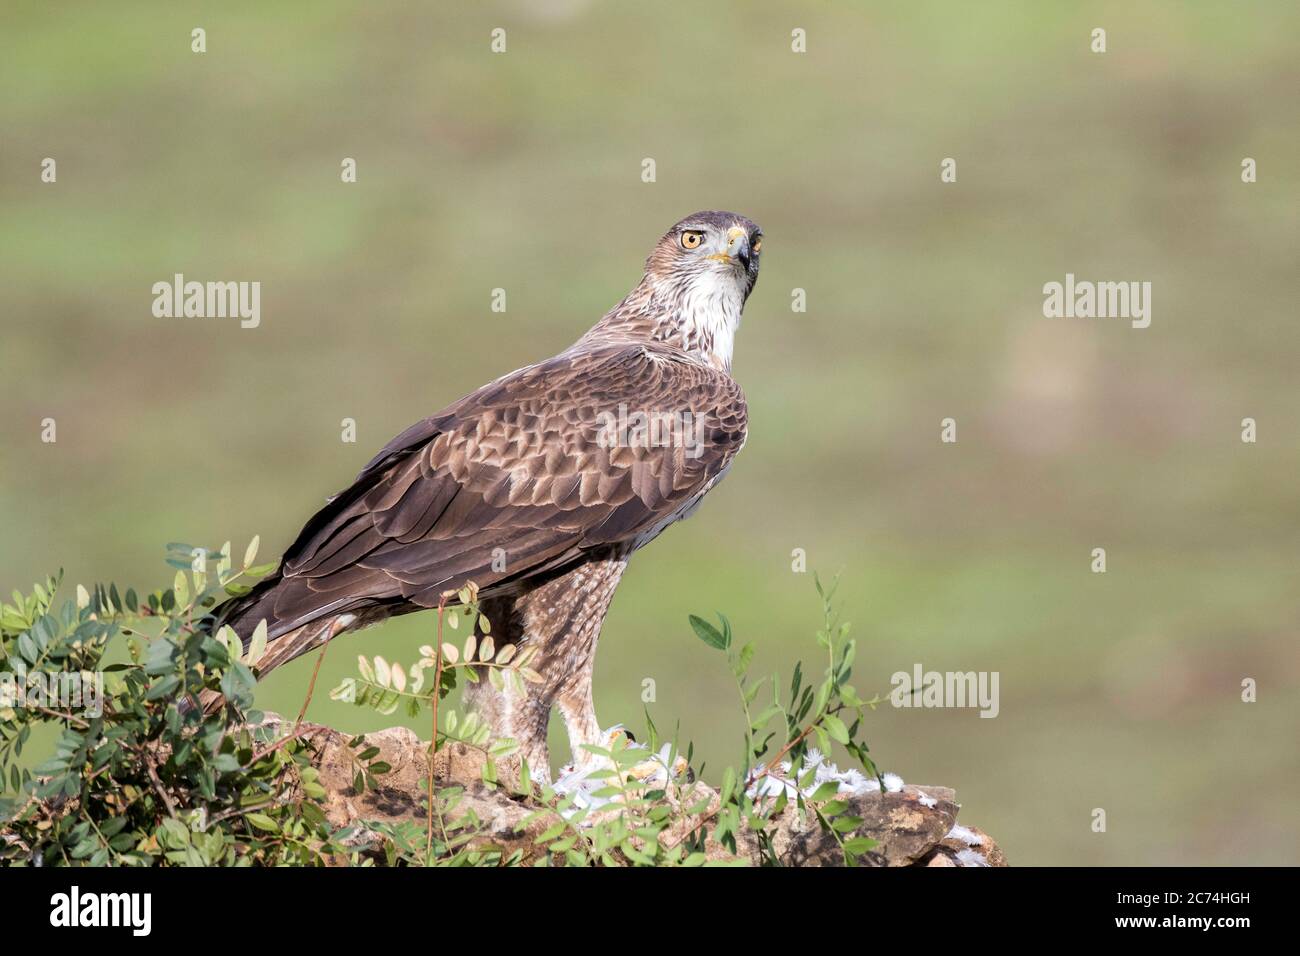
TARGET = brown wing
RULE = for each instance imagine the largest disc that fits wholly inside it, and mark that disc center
(520, 466)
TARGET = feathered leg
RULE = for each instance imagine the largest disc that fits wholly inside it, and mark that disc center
(561, 619)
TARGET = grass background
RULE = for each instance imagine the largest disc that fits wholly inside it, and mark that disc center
(1118, 691)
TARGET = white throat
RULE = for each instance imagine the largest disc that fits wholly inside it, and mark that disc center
(708, 310)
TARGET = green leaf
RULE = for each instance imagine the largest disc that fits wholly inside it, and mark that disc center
(551, 833)
(27, 647)
(857, 846)
(262, 822)
(174, 833)
(257, 645)
(708, 633)
(835, 727)
(230, 640)
(823, 738)
(728, 784)
(827, 790)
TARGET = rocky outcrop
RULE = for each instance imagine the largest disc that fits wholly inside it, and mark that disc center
(913, 826)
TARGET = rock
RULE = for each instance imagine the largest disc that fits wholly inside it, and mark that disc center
(905, 829)
(915, 826)
(973, 847)
(398, 794)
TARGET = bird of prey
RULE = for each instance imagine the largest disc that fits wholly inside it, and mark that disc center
(537, 487)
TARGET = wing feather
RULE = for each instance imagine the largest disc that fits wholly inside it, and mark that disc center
(518, 465)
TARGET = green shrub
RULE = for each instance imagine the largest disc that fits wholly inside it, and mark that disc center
(136, 778)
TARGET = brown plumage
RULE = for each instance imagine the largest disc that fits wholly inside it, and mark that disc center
(536, 487)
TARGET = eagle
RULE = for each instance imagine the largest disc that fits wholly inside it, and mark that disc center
(537, 487)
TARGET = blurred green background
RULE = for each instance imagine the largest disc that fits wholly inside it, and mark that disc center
(475, 171)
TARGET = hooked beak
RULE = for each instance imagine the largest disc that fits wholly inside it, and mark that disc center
(737, 247)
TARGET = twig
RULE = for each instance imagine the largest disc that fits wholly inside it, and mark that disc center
(320, 659)
(273, 747)
(152, 770)
(70, 718)
(433, 739)
(775, 761)
(704, 818)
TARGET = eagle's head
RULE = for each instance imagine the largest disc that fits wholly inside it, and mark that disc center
(695, 285)
(708, 255)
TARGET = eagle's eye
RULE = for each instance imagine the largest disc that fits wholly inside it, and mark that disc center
(692, 238)
(757, 244)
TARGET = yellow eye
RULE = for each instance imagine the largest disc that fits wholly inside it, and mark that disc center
(758, 244)
(692, 239)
